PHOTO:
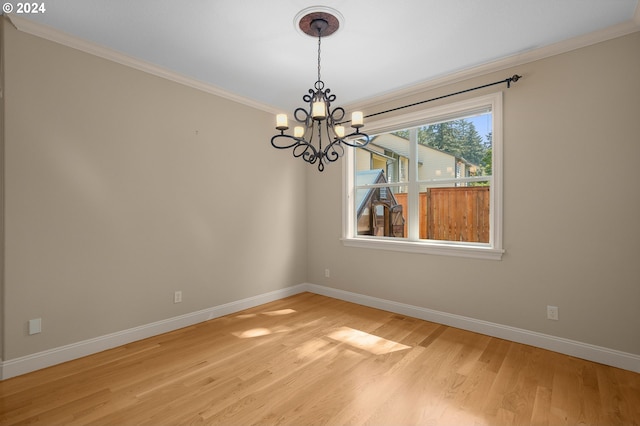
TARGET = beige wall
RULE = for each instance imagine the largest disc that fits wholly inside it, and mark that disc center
(571, 209)
(122, 187)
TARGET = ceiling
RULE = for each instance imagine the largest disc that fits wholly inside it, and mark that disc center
(252, 49)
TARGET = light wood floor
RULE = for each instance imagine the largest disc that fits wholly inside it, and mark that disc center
(310, 359)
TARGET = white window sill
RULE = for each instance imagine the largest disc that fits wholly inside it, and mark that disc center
(473, 251)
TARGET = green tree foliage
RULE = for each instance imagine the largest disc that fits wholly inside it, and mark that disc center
(458, 137)
(488, 156)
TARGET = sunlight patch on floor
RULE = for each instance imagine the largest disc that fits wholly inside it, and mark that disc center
(269, 313)
(280, 312)
(243, 316)
(369, 342)
(310, 348)
(260, 331)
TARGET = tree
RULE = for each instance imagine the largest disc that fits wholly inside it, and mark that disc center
(457, 137)
(487, 159)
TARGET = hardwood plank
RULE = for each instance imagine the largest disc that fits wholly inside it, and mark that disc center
(310, 359)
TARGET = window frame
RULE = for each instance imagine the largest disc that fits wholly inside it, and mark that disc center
(492, 250)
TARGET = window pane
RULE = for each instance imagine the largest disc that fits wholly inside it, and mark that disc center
(455, 213)
(455, 148)
(388, 152)
(380, 211)
(429, 178)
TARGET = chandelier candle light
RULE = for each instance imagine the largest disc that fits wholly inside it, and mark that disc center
(319, 120)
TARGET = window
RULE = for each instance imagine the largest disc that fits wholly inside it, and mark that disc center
(429, 182)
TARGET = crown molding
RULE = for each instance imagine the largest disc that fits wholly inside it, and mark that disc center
(622, 29)
(369, 103)
(68, 40)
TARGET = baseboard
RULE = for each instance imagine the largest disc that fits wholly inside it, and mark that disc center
(37, 361)
(602, 355)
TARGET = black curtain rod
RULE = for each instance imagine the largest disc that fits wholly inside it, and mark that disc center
(508, 81)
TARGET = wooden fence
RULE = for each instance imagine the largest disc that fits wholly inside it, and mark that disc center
(452, 214)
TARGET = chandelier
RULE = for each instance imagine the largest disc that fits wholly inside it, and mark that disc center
(320, 136)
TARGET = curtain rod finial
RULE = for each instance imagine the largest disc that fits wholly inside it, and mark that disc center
(513, 79)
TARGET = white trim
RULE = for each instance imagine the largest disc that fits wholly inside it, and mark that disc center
(60, 37)
(451, 249)
(564, 46)
(37, 361)
(491, 251)
(436, 113)
(561, 345)
(33, 362)
(68, 40)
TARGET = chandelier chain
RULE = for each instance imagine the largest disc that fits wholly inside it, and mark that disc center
(319, 41)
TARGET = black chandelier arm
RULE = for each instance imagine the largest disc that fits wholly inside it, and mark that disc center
(336, 115)
(309, 97)
(357, 135)
(304, 118)
(327, 97)
(301, 148)
(333, 151)
(290, 140)
(307, 152)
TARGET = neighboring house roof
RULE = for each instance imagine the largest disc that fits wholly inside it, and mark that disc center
(400, 146)
(364, 197)
(367, 177)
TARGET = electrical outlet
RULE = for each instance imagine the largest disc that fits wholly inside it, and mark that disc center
(327, 273)
(177, 297)
(35, 326)
(552, 313)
